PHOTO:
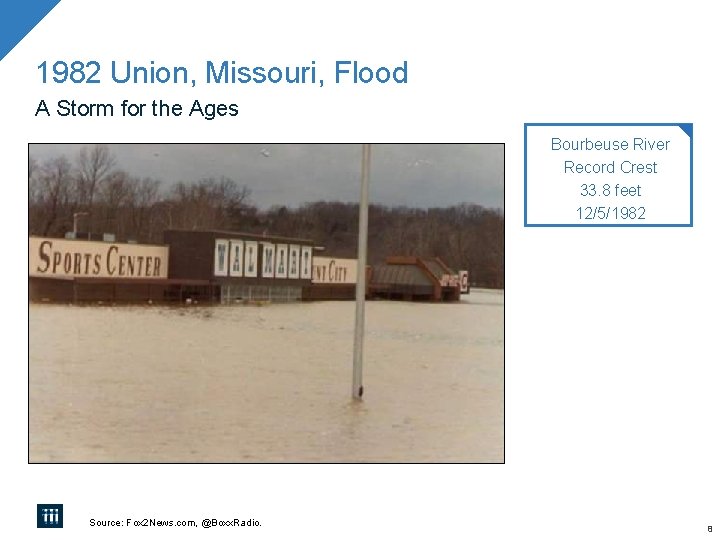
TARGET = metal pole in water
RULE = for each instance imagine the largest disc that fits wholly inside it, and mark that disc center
(357, 387)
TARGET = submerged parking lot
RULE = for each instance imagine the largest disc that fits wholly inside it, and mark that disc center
(267, 383)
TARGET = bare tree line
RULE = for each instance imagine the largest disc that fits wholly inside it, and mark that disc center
(97, 196)
(467, 236)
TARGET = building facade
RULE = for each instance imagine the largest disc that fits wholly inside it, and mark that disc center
(241, 266)
(226, 267)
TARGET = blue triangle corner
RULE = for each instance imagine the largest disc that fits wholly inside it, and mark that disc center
(18, 18)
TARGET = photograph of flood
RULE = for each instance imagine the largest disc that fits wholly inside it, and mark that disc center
(201, 303)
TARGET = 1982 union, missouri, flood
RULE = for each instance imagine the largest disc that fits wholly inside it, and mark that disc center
(267, 383)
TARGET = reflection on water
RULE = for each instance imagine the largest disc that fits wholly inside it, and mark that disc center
(267, 383)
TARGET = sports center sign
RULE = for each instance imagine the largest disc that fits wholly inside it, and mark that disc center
(58, 258)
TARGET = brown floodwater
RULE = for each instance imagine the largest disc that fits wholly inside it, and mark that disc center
(267, 383)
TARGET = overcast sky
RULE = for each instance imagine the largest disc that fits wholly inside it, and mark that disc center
(419, 175)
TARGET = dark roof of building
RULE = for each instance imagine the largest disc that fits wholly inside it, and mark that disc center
(435, 268)
(243, 235)
(399, 274)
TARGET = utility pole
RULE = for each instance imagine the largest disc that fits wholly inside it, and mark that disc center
(76, 215)
(357, 386)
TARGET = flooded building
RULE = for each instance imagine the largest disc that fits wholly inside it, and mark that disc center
(225, 267)
(241, 266)
(333, 278)
(414, 278)
(68, 270)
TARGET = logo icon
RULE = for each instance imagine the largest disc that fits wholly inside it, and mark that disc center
(49, 516)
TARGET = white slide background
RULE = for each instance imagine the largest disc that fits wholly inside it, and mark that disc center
(612, 377)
